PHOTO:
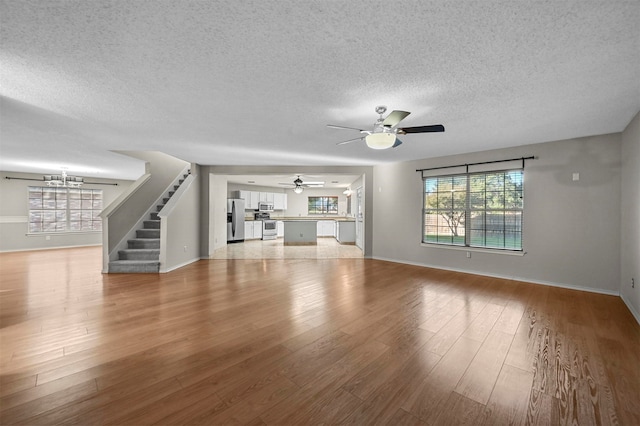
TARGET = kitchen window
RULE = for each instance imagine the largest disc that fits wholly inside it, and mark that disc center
(474, 210)
(323, 205)
(64, 210)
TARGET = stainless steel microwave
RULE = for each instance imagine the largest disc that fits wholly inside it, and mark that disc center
(265, 207)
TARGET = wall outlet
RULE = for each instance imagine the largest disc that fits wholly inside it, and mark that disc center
(48, 237)
(468, 255)
(185, 248)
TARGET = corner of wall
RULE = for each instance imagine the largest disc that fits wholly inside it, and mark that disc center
(630, 217)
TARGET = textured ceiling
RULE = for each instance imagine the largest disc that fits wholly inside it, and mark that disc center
(255, 82)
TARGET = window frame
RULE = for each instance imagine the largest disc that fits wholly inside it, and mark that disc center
(509, 209)
(68, 211)
(324, 204)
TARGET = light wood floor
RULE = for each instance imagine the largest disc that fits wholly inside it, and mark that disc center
(298, 341)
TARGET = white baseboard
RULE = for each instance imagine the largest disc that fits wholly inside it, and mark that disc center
(51, 248)
(507, 277)
(173, 268)
(635, 313)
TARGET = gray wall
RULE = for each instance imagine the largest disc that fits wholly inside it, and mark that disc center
(14, 210)
(180, 225)
(571, 228)
(630, 226)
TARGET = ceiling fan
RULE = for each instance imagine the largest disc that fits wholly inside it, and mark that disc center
(385, 130)
(298, 184)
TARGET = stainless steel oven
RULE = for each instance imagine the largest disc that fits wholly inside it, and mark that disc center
(269, 229)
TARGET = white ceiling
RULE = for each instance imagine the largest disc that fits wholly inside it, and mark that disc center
(255, 82)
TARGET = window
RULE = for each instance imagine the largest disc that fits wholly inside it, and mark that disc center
(323, 205)
(474, 210)
(64, 209)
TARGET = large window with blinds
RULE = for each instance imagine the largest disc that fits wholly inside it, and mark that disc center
(64, 209)
(474, 209)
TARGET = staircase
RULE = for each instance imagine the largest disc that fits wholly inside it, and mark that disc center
(143, 252)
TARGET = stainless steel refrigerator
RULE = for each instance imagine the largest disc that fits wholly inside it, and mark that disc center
(235, 220)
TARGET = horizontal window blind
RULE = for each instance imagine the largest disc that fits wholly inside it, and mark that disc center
(64, 209)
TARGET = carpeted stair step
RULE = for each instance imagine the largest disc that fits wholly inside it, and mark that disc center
(134, 266)
(151, 224)
(147, 233)
(154, 216)
(165, 200)
(159, 207)
(139, 254)
(144, 243)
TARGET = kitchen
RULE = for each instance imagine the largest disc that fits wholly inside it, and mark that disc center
(272, 211)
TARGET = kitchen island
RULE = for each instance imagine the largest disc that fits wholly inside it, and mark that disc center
(300, 232)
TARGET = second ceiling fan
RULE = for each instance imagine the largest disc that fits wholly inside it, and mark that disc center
(385, 130)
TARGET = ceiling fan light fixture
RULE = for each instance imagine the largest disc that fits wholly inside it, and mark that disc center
(380, 140)
(298, 189)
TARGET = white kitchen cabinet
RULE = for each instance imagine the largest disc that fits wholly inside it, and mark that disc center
(251, 199)
(266, 197)
(253, 229)
(326, 228)
(257, 229)
(279, 201)
(280, 228)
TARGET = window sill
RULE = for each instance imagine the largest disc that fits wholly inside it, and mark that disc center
(39, 234)
(475, 249)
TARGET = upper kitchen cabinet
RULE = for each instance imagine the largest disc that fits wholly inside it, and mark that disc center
(279, 201)
(266, 197)
(252, 198)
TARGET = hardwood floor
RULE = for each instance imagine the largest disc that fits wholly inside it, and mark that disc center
(297, 341)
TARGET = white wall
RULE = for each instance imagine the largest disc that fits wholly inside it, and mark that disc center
(571, 229)
(218, 212)
(298, 204)
(14, 210)
(630, 219)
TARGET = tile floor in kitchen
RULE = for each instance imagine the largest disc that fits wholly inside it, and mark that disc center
(327, 248)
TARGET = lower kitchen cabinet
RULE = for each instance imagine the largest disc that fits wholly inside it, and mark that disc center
(253, 230)
(326, 228)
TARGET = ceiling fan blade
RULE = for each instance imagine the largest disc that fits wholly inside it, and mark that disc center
(350, 140)
(422, 129)
(394, 118)
(397, 144)
(333, 126)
